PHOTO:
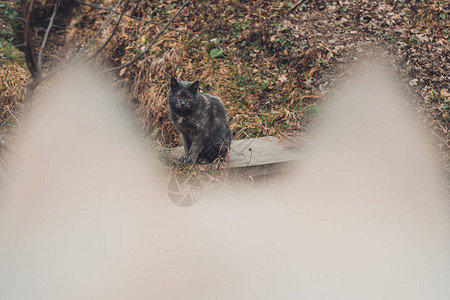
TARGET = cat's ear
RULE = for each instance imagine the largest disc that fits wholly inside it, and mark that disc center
(173, 83)
(194, 86)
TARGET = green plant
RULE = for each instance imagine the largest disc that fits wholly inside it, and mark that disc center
(9, 54)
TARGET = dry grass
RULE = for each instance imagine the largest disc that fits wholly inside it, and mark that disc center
(13, 81)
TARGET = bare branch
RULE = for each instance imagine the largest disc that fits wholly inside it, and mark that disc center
(100, 30)
(62, 67)
(133, 17)
(153, 22)
(110, 36)
(36, 68)
(49, 74)
(33, 83)
(15, 18)
(152, 43)
(23, 20)
(47, 32)
(30, 59)
(297, 5)
(28, 49)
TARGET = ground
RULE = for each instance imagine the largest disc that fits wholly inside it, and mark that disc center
(273, 63)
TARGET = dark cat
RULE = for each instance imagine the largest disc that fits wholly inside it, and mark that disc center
(202, 121)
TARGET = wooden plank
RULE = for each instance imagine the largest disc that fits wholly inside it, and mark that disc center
(261, 151)
(262, 170)
(257, 156)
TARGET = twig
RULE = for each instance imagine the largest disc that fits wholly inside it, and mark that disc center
(23, 20)
(248, 162)
(151, 44)
(56, 70)
(100, 30)
(154, 23)
(14, 117)
(110, 36)
(297, 5)
(15, 18)
(57, 57)
(47, 32)
(132, 17)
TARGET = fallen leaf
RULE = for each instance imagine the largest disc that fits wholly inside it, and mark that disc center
(122, 71)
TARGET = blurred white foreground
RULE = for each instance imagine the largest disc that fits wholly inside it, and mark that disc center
(84, 217)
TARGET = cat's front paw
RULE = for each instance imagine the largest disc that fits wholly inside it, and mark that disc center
(182, 159)
(187, 160)
(203, 161)
(191, 159)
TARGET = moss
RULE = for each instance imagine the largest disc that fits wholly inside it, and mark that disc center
(9, 54)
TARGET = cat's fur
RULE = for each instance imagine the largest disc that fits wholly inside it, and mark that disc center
(202, 121)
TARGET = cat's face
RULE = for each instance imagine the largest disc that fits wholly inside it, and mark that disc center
(183, 95)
